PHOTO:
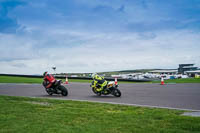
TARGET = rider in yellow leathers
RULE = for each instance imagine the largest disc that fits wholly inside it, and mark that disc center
(99, 82)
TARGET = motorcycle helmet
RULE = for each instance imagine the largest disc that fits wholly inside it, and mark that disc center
(94, 75)
(45, 73)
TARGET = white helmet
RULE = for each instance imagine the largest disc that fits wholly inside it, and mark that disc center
(93, 75)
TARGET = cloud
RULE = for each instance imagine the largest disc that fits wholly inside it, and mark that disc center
(97, 51)
(8, 24)
(106, 16)
(94, 35)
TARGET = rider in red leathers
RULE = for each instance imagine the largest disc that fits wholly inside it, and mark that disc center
(49, 79)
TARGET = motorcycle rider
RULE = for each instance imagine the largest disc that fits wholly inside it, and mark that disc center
(49, 80)
(99, 82)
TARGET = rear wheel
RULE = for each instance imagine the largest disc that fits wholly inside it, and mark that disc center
(64, 91)
(116, 93)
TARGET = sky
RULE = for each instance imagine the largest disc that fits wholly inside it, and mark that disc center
(97, 35)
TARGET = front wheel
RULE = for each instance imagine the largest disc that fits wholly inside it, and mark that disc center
(94, 90)
(117, 92)
(64, 91)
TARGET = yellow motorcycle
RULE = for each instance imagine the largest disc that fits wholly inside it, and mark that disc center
(111, 88)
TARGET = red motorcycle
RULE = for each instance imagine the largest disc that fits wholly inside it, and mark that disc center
(56, 88)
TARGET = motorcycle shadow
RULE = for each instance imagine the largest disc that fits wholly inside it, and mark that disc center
(103, 96)
(53, 96)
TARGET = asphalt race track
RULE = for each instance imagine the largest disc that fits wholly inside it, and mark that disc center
(179, 96)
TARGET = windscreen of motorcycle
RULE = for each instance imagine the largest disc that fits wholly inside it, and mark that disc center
(110, 84)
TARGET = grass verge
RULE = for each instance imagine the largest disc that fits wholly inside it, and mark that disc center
(186, 80)
(13, 79)
(21, 114)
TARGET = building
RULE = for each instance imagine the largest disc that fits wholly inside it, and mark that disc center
(195, 73)
(186, 67)
(161, 72)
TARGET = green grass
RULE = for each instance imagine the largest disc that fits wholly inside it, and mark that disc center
(89, 81)
(34, 115)
(187, 80)
(13, 79)
(80, 81)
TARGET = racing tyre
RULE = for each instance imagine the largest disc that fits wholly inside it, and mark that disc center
(94, 90)
(64, 90)
(116, 92)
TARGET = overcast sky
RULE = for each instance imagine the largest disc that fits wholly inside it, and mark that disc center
(97, 35)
